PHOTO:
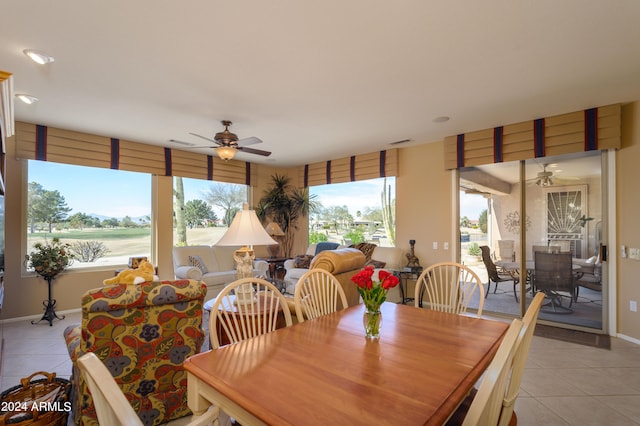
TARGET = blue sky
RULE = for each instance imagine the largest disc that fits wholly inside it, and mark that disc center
(132, 190)
(471, 205)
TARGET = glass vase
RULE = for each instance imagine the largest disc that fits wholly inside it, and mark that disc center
(372, 320)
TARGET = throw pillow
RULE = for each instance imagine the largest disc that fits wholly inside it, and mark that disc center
(302, 261)
(378, 264)
(198, 263)
(325, 245)
(366, 248)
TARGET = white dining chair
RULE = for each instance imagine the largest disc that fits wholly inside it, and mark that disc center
(318, 293)
(449, 287)
(113, 408)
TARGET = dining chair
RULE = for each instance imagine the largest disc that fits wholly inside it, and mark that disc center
(522, 345)
(496, 276)
(553, 275)
(520, 358)
(113, 408)
(240, 321)
(449, 287)
(546, 249)
(486, 405)
(506, 250)
(318, 293)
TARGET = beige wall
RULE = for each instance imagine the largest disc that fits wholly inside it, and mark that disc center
(425, 212)
(424, 207)
(628, 220)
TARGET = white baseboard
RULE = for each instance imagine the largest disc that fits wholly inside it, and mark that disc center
(33, 317)
(628, 339)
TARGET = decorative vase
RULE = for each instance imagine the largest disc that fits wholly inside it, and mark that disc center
(372, 319)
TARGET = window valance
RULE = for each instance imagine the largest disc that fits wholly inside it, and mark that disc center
(37, 142)
(588, 130)
(351, 169)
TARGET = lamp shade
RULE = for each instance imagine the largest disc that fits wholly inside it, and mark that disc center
(246, 230)
(274, 230)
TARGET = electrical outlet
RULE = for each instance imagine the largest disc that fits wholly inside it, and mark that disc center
(445, 245)
(633, 306)
(435, 245)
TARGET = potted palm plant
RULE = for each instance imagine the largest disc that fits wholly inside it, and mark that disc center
(285, 204)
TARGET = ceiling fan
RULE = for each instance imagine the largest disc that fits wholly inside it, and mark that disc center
(229, 144)
(544, 177)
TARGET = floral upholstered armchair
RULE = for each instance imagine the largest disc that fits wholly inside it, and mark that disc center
(142, 333)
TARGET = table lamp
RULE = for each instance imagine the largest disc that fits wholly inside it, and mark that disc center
(246, 231)
(274, 230)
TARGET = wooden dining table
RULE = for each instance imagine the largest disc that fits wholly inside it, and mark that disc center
(324, 371)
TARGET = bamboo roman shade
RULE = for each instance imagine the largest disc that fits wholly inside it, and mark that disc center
(351, 169)
(35, 142)
(588, 130)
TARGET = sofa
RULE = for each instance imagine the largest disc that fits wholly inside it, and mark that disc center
(390, 258)
(142, 333)
(213, 265)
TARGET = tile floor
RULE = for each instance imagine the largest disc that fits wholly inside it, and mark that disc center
(563, 384)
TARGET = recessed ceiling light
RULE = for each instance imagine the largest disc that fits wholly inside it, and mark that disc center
(441, 119)
(27, 99)
(38, 56)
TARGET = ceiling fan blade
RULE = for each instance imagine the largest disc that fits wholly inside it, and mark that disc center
(254, 151)
(206, 139)
(249, 141)
(179, 142)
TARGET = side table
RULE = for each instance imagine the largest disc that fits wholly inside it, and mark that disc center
(405, 275)
(276, 266)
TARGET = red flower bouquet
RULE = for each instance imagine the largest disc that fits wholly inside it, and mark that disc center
(373, 294)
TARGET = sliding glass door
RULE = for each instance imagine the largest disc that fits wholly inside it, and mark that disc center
(551, 204)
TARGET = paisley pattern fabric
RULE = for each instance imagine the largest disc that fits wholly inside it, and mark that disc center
(142, 333)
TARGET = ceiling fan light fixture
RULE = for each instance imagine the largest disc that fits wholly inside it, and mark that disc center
(544, 181)
(226, 153)
(38, 56)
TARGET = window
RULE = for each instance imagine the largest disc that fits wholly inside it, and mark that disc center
(354, 212)
(205, 209)
(104, 214)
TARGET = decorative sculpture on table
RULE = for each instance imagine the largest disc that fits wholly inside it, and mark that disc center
(48, 259)
(413, 261)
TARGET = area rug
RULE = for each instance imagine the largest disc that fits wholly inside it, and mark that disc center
(574, 336)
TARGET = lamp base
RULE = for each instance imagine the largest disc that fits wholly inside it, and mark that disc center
(245, 295)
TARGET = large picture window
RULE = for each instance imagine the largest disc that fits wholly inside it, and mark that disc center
(103, 214)
(204, 209)
(355, 212)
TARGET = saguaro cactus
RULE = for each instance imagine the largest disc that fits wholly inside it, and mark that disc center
(388, 213)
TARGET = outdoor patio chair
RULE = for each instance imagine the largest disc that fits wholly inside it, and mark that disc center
(553, 275)
(496, 276)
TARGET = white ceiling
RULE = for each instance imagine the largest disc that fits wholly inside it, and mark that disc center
(316, 80)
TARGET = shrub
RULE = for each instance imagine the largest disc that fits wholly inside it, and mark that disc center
(355, 235)
(89, 251)
(316, 237)
(474, 249)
